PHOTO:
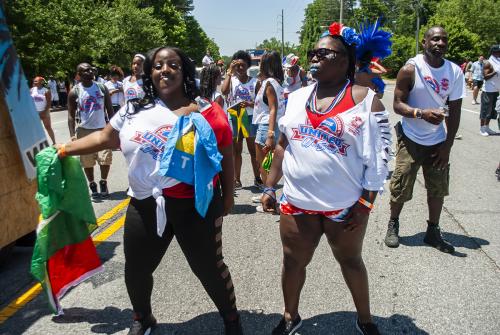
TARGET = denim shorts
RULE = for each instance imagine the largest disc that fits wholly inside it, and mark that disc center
(261, 136)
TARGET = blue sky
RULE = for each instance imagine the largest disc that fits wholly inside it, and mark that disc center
(236, 25)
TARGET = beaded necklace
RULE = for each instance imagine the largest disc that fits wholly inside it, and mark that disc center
(312, 104)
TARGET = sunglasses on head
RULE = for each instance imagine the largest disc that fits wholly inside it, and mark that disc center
(322, 53)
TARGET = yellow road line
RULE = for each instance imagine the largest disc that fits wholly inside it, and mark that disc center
(17, 304)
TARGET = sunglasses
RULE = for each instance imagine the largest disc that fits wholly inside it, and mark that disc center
(322, 53)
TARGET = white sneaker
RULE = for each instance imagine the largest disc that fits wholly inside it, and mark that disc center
(474, 102)
(260, 209)
(490, 131)
(483, 131)
(256, 199)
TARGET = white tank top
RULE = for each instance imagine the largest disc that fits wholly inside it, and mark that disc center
(493, 84)
(447, 82)
(90, 105)
(39, 98)
(326, 168)
(261, 109)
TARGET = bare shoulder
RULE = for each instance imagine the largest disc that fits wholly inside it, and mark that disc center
(377, 105)
(359, 93)
(407, 69)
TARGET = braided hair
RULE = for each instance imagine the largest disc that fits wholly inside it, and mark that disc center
(188, 76)
(208, 78)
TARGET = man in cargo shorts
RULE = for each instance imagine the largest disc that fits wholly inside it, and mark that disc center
(428, 94)
(90, 108)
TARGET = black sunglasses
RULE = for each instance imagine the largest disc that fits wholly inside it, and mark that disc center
(322, 53)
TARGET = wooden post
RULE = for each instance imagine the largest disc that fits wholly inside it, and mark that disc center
(18, 209)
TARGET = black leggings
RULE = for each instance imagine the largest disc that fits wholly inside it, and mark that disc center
(199, 238)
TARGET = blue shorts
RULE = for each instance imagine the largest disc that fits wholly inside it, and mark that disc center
(261, 136)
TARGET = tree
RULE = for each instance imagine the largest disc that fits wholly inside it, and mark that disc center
(275, 45)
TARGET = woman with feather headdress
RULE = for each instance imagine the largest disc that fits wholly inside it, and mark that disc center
(375, 45)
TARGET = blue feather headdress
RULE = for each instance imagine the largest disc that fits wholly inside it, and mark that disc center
(374, 40)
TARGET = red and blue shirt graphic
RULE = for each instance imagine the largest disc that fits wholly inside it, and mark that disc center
(153, 142)
(328, 136)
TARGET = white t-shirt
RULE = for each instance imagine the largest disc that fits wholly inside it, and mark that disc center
(292, 83)
(117, 98)
(261, 109)
(446, 82)
(39, 98)
(326, 168)
(493, 84)
(53, 90)
(90, 107)
(132, 90)
(242, 92)
(142, 139)
(207, 60)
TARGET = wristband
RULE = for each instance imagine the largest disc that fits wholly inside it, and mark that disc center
(61, 153)
(365, 203)
(272, 189)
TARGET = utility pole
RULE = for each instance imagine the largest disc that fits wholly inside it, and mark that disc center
(282, 33)
(417, 10)
(341, 10)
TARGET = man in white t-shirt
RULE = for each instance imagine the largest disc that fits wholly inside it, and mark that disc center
(428, 96)
(89, 109)
(207, 60)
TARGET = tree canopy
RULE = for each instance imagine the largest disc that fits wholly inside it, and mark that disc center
(52, 37)
(472, 25)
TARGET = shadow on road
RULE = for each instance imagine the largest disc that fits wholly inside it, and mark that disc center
(109, 320)
(457, 240)
(244, 209)
(112, 320)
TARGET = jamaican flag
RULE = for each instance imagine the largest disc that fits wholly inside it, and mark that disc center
(240, 120)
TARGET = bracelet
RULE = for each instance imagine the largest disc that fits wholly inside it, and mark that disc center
(415, 113)
(61, 153)
(365, 203)
(272, 189)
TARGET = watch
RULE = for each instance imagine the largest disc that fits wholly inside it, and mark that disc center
(417, 113)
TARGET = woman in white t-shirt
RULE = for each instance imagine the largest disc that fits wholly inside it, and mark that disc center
(239, 87)
(332, 153)
(115, 87)
(269, 107)
(42, 99)
(132, 85)
(162, 207)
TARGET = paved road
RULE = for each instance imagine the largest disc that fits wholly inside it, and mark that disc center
(414, 289)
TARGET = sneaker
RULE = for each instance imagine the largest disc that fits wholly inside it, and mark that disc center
(434, 238)
(233, 327)
(93, 189)
(259, 209)
(490, 131)
(256, 199)
(143, 327)
(237, 185)
(287, 327)
(367, 328)
(458, 136)
(497, 173)
(392, 236)
(258, 183)
(483, 131)
(104, 188)
(474, 102)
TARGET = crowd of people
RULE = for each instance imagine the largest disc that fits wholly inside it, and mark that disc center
(324, 133)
